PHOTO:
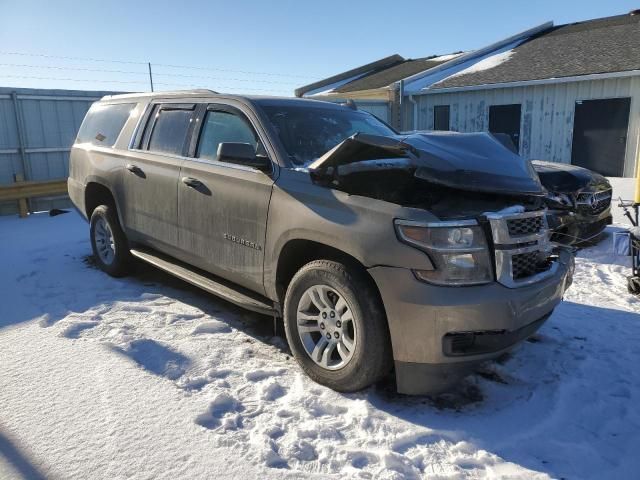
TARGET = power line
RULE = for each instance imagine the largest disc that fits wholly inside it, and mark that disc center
(60, 57)
(245, 72)
(223, 78)
(70, 79)
(130, 72)
(27, 77)
(79, 69)
(190, 67)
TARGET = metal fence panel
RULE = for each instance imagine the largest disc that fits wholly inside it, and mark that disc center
(44, 127)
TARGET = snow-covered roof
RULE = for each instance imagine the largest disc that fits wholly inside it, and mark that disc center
(599, 46)
(471, 62)
(381, 74)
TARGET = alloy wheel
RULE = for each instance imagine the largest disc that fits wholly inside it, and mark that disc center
(326, 327)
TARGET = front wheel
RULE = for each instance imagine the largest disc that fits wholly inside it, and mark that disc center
(108, 241)
(336, 326)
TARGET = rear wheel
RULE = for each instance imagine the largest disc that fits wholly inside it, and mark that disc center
(108, 241)
(336, 326)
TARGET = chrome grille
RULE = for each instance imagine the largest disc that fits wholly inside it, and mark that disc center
(522, 248)
(524, 226)
(593, 202)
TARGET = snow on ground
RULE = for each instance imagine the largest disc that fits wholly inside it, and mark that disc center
(147, 377)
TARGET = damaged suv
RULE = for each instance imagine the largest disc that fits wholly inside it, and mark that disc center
(427, 252)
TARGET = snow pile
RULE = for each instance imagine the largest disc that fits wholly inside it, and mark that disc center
(445, 58)
(485, 64)
(147, 377)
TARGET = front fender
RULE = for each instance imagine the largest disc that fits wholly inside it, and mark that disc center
(358, 226)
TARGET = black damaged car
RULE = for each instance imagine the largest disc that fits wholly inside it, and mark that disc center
(579, 201)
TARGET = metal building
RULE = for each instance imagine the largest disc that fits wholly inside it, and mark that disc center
(569, 94)
(591, 123)
(37, 129)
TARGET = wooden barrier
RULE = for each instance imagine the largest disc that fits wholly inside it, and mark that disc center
(21, 191)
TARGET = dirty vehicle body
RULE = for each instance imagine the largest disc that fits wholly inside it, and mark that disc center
(579, 202)
(427, 253)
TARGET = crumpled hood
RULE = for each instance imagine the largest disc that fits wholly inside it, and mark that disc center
(564, 178)
(464, 161)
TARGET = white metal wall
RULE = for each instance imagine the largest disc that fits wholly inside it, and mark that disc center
(379, 108)
(36, 137)
(546, 129)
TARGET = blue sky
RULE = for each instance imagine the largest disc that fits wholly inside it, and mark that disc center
(267, 47)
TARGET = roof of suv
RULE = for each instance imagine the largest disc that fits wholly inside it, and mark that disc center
(199, 93)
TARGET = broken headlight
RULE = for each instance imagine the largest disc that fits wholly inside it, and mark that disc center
(558, 200)
(458, 251)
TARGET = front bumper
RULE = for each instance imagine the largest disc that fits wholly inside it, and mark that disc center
(421, 316)
(571, 228)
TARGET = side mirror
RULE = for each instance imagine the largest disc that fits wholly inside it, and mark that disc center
(242, 154)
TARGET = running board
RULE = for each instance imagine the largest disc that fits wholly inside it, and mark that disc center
(225, 290)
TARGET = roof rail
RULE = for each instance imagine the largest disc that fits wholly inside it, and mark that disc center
(194, 91)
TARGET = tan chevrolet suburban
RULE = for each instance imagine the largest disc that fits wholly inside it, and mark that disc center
(425, 253)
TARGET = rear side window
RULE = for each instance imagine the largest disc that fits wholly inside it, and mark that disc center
(170, 131)
(103, 123)
(222, 127)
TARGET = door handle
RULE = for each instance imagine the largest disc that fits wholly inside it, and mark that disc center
(191, 182)
(134, 169)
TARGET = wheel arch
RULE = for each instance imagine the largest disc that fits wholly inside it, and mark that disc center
(96, 193)
(296, 253)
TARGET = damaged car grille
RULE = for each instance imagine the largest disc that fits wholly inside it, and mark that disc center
(522, 248)
(524, 265)
(524, 226)
(593, 202)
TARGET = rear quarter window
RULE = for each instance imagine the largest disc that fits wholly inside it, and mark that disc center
(103, 123)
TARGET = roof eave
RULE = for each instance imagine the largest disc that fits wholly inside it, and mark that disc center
(527, 83)
(373, 94)
(299, 92)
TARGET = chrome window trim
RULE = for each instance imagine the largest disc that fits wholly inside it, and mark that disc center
(142, 118)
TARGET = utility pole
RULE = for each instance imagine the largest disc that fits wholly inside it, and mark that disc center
(150, 76)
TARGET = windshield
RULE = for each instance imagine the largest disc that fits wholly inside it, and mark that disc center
(309, 132)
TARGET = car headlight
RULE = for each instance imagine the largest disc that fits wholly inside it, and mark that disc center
(458, 251)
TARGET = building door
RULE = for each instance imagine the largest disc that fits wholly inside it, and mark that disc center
(506, 119)
(600, 135)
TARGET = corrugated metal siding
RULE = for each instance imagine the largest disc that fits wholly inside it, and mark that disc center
(49, 120)
(379, 108)
(546, 130)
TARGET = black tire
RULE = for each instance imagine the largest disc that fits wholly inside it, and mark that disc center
(367, 365)
(633, 285)
(121, 262)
